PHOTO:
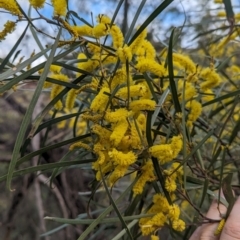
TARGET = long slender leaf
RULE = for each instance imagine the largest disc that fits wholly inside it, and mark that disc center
(107, 211)
(28, 115)
(171, 75)
(56, 170)
(136, 16)
(12, 71)
(80, 216)
(229, 10)
(6, 59)
(149, 81)
(46, 167)
(228, 192)
(120, 217)
(218, 99)
(130, 225)
(151, 17)
(40, 117)
(47, 148)
(21, 66)
(205, 188)
(90, 221)
(234, 133)
(33, 31)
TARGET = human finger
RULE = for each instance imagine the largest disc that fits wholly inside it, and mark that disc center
(231, 229)
(206, 231)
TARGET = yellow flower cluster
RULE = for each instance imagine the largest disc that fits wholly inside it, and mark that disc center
(185, 62)
(164, 213)
(137, 43)
(167, 152)
(154, 237)
(11, 6)
(124, 54)
(118, 110)
(118, 102)
(115, 146)
(210, 77)
(195, 111)
(151, 65)
(60, 7)
(173, 176)
(37, 3)
(80, 145)
(9, 27)
(56, 89)
(189, 90)
(146, 50)
(147, 175)
(99, 103)
(220, 227)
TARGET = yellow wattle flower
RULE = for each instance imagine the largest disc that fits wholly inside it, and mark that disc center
(117, 36)
(146, 176)
(68, 27)
(187, 64)
(179, 225)
(118, 115)
(124, 54)
(100, 30)
(195, 111)
(142, 104)
(60, 7)
(93, 48)
(209, 95)
(102, 18)
(136, 44)
(100, 101)
(118, 172)
(70, 99)
(9, 27)
(134, 91)
(190, 90)
(149, 65)
(56, 89)
(120, 77)
(154, 237)
(220, 227)
(79, 145)
(37, 3)
(176, 145)
(221, 14)
(103, 133)
(120, 158)
(211, 78)
(94, 118)
(119, 130)
(146, 50)
(11, 6)
(170, 184)
(83, 30)
(174, 212)
(163, 152)
(105, 168)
